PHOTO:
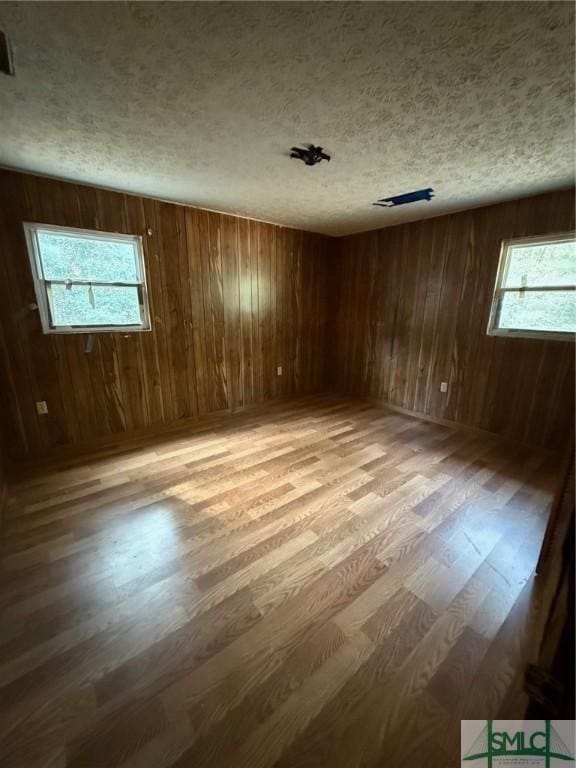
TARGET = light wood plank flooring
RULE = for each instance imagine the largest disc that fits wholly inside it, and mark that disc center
(322, 583)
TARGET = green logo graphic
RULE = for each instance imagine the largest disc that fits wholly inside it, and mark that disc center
(545, 744)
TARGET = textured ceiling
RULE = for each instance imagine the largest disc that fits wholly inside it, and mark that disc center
(200, 103)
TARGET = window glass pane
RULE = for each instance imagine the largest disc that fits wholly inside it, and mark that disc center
(72, 257)
(99, 305)
(539, 311)
(544, 264)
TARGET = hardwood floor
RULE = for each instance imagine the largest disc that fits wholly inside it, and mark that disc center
(321, 583)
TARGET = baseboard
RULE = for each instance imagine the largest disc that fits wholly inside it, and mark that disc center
(125, 442)
(460, 425)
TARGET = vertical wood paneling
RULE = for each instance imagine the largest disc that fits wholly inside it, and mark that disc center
(230, 300)
(389, 314)
(6, 385)
(246, 312)
(413, 310)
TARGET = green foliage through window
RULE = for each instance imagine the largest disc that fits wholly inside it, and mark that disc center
(536, 291)
(87, 280)
(85, 305)
(67, 257)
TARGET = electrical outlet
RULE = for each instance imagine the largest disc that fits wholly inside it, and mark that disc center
(279, 371)
(41, 407)
(443, 386)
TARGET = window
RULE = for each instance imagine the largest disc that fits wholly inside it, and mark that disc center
(535, 294)
(86, 281)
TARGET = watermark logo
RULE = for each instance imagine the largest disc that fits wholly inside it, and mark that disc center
(517, 743)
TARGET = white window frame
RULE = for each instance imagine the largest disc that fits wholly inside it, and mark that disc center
(525, 333)
(42, 286)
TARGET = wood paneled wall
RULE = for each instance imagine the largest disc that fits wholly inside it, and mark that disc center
(413, 310)
(3, 482)
(387, 314)
(5, 402)
(231, 299)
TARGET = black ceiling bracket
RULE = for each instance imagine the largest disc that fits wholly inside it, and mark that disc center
(310, 155)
